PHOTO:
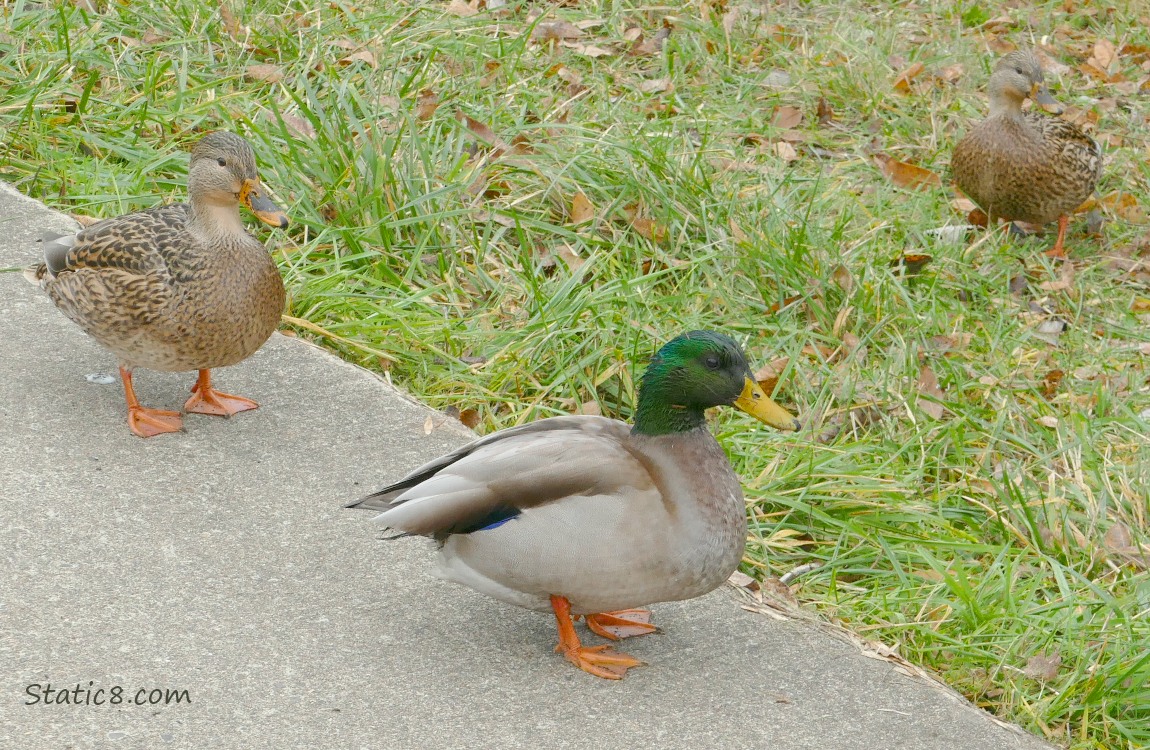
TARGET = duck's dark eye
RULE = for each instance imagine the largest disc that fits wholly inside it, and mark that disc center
(222, 161)
(712, 362)
(1019, 71)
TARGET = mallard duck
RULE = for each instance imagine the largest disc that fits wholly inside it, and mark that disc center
(589, 516)
(179, 287)
(1023, 166)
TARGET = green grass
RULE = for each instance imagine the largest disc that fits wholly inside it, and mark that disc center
(973, 542)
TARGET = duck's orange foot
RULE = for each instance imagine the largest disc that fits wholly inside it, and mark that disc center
(207, 400)
(626, 623)
(147, 422)
(218, 404)
(1058, 251)
(601, 661)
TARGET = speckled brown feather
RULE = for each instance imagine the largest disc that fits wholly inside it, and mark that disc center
(1026, 166)
(166, 292)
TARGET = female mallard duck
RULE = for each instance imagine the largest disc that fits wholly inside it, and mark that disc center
(180, 287)
(1022, 166)
(590, 516)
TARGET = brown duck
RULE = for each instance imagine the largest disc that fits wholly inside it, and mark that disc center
(175, 288)
(1023, 166)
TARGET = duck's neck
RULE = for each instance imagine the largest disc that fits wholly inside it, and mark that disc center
(1003, 102)
(659, 415)
(219, 221)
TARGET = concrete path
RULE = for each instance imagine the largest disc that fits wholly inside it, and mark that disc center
(219, 562)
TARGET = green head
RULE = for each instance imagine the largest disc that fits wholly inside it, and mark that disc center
(694, 372)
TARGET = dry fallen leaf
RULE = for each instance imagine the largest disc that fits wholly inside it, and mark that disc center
(644, 226)
(785, 151)
(825, 113)
(905, 175)
(1041, 667)
(655, 85)
(787, 117)
(581, 208)
(1104, 54)
(264, 73)
(1125, 206)
(426, 104)
(842, 276)
(652, 45)
(767, 376)
(902, 83)
(928, 386)
(555, 31)
(461, 8)
(363, 56)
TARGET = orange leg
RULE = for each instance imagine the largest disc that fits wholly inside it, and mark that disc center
(207, 400)
(143, 421)
(1058, 251)
(626, 623)
(600, 661)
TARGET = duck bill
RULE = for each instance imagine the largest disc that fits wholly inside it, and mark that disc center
(252, 196)
(756, 403)
(1041, 96)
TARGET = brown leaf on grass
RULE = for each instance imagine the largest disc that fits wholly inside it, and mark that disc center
(555, 31)
(911, 264)
(787, 117)
(299, 126)
(483, 132)
(1041, 667)
(469, 418)
(587, 50)
(768, 375)
(656, 85)
(1064, 281)
(963, 205)
(590, 409)
(1118, 538)
(730, 18)
(905, 175)
(841, 275)
(462, 9)
(1050, 383)
(264, 73)
(824, 112)
(951, 73)
(785, 151)
(568, 255)
(783, 303)
(1125, 206)
(643, 225)
(902, 83)
(1103, 54)
(651, 45)
(928, 386)
(231, 23)
(426, 104)
(581, 208)
(342, 43)
(363, 56)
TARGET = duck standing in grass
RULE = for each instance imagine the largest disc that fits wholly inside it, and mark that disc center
(175, 288)
(585, 515)
(1023, 166)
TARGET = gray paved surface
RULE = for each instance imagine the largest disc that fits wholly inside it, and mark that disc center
(219, 561)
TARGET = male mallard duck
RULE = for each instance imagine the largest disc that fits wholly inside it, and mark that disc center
(180, 287)
(1022, 166)
(589, 516)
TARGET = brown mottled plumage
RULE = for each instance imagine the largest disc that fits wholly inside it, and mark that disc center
(180, 287)
(1023, 166)
(588, 516)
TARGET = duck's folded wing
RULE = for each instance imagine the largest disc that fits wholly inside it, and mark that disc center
(493, 480)
(115, 272)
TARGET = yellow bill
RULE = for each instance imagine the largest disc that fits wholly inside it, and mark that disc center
(252, 196)
(759, 405)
